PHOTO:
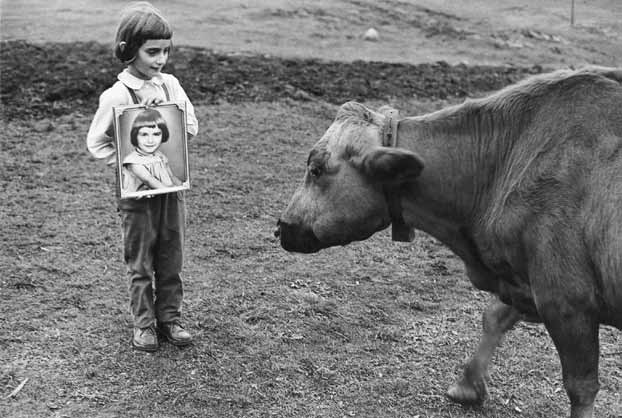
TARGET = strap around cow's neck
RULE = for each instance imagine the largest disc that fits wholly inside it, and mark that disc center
(399, 230)
(389, 130)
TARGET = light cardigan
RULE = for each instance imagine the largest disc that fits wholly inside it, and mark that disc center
(99, 139)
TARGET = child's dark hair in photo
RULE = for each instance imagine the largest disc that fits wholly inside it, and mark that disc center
(148, 118)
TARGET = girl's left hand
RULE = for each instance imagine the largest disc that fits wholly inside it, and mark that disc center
(151, 101)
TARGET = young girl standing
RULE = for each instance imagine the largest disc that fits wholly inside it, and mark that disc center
(153, 228)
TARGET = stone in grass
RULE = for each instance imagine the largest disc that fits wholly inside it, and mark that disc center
(371, 35)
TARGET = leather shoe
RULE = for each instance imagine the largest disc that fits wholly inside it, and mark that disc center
(145, 339)
(176, 334)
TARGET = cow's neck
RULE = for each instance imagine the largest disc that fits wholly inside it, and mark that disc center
(463, 153)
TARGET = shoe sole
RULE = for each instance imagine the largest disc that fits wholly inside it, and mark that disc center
(147, 348)
(178, 343)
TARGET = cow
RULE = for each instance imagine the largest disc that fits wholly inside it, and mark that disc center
(524, 185)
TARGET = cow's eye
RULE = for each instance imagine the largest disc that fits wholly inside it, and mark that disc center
(315, 171)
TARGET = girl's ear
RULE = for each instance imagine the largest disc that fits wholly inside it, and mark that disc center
(123, 53)
(119, 50)
(392, 165)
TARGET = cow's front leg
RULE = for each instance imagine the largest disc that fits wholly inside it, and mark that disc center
(497, 320)
(575, 335)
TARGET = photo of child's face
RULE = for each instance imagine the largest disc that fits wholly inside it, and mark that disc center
(151, 149)
(149, 139)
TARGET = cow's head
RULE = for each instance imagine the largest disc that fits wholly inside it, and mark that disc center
(342, 196)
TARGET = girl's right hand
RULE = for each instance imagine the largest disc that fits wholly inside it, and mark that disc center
(151, 101)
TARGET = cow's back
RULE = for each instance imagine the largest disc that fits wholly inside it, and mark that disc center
(560, 189)
(602, 212)
(593, 162)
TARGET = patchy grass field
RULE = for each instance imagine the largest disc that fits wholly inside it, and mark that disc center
(374, 329)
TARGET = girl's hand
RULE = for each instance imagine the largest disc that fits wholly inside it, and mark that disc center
(151, 101)
(176, 181)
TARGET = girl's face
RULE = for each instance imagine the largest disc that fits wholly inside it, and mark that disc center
(149, 139)
(150, 58)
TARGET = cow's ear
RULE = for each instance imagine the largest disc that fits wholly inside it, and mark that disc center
(392, 165)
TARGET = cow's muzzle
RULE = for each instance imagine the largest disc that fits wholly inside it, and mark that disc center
(295, 238)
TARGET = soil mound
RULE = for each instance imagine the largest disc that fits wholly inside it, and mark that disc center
(52, 79)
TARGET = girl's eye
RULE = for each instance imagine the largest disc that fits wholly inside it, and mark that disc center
(154, 52)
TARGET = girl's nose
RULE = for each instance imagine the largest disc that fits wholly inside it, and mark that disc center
(162, 57)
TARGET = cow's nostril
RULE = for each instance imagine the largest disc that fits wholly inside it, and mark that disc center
(297, 238)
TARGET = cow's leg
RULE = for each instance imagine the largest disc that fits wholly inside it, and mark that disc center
(566, 302)
(575, 335)
(496, 321)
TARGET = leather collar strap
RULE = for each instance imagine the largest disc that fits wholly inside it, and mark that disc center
(399, 230)
(389, 130)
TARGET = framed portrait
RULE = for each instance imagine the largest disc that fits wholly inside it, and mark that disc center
(152, 149)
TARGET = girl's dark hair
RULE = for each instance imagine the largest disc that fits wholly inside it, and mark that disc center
(148, 118)
(140, 22)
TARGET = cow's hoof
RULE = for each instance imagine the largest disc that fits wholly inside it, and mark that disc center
(468, 392)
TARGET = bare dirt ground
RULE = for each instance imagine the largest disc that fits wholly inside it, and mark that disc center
(375, 329)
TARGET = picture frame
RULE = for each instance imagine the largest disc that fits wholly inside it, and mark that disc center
(147, 166)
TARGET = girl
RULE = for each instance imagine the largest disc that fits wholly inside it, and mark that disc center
(146, 167)
(153, 228)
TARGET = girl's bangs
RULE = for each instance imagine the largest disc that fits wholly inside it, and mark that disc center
(156, 28)
(148, 124)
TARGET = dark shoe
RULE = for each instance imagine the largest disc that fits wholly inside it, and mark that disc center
(145, 339)
(176, 334)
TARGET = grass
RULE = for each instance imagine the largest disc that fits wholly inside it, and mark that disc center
(372, 329)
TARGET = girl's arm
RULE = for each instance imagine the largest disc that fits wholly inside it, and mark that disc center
(99, 139)
(143, 174)
(176, 181)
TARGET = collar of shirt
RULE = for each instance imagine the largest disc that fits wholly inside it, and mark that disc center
(136, 83)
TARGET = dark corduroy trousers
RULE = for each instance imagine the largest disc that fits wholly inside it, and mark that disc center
(153, 238)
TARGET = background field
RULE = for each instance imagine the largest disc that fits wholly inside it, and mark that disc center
(416, 31)
(375, 329)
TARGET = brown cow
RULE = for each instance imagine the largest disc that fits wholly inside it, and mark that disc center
(524, 185)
